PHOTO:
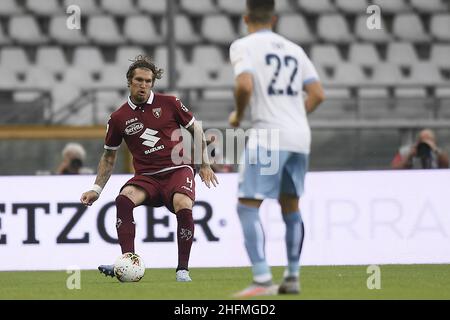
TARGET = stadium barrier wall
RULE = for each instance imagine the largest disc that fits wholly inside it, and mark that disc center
(351, 218)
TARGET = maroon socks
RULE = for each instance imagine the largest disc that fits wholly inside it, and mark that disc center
(126, 228)
(185, 236)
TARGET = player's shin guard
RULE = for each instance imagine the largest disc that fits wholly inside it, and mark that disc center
(254, 242)
(185, 236)
(294, 241)
(126, 228)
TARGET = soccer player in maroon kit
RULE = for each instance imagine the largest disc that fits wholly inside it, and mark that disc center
(146, 122)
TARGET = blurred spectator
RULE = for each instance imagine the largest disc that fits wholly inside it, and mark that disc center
(423, 154)
(73, 157)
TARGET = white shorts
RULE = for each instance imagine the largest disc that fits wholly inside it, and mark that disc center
(268, 173)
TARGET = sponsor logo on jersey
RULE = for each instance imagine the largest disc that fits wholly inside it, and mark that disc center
(150, 138)
(157, 112)
(134, 128)
(131, 121)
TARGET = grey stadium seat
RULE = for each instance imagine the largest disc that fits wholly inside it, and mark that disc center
(363, 54)
(429, 5)
(88, 7)
(366, 34)
(59, 32)
(233, 7)
(440, 26)
(154, 7)
(198, 7)
(316, 6)
(334, 28)
(440, 54)
(141, 30)
(26, 30)
(409, 27)
(326, 55)
(207, 57)
(104, 30)
(51, 58)
(401, 53)
(119, 7)
(218, 29)
(88, 59)
(10, 8)
(392, 6)
(295, 28)
(184, 30)
(352, 6)
(14, 58)
(44, 7)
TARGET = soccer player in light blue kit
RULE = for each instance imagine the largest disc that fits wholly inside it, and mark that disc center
(271, 74)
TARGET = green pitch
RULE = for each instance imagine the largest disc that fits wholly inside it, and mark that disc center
(324, 282)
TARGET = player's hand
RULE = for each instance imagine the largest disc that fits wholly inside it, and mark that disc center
(208, 176)
(89, 197)
(234, 120)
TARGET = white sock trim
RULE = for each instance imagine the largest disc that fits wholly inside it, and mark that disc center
(262, 277)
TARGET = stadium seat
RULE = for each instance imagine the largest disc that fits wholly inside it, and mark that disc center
(10, 8)
(161, 59)
(88, 59)
(295, 28)
(232, 7)
(191, 77)
(118, 7)
(25, 30)
(386, 74)
(429, 6)
(366, 34)
(349, 74)
(424, 73)
(198, 7)
(154, 7)
(44, 7)
(103, 30)
(125, 54)
(440, 54)
(88, 7)
(224, 78)
(59, 32)
(207, 57)
(218, 29)
(14, 58)
(363, 54)
(409, 27)
(141, 30)
(283, 6)
(51, 58)
(184, 30)
(4, 39)
(401, 53)
(76, 76)
(8, 78)
(113, 76)
(440, 26)
(392, 6)
(352, 6)
(325, 55)
(106, 102)
(38, 77)
(334, 28)
(316, 6)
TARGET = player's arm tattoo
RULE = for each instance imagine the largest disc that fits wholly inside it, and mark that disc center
(105, 167)
(199, 144)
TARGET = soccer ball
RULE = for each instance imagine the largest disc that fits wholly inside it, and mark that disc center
(129, 267)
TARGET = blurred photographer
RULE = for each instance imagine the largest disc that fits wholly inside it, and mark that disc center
(73, 156)
(423, 154)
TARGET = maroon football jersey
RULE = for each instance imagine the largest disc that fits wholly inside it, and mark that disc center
(147, 130)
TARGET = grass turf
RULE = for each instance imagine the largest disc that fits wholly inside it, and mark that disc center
(317, 282)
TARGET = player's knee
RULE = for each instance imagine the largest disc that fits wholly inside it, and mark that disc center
(288, 205)
(181, 201)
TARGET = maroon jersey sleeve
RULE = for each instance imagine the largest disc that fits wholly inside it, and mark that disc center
(113, 137)
(183, 115)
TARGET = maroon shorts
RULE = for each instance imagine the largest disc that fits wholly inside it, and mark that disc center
(161, 187)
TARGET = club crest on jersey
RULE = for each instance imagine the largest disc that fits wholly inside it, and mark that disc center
(184, 108)
(157, 112)
(134, 128)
